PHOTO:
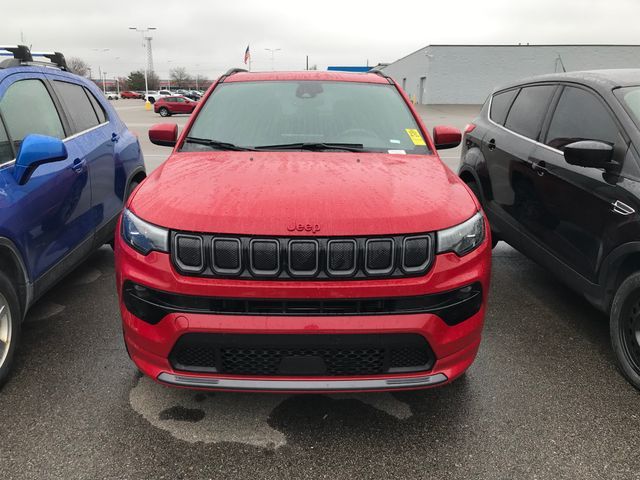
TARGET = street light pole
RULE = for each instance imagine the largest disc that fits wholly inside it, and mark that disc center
(142, 31)
(273, 51)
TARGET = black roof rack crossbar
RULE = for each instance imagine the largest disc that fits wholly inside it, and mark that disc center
(20, 52)
(22, 55)
(55, 57)
(230, 72)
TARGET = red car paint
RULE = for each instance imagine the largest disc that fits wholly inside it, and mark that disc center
(303, 194)
(129, 94)
(174, 105)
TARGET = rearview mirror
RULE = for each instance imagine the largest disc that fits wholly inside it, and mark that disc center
(446, 137)
(164, 134)
(36, 150)
(590, 154)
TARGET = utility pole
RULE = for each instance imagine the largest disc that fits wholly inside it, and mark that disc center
(307, 62)
(273, 51)
(142, 31)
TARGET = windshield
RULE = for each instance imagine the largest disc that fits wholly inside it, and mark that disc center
(631, 98)
(330, 115)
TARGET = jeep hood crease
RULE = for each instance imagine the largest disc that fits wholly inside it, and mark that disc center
(262, 193)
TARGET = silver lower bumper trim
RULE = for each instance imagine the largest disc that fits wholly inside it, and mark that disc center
(301, 385)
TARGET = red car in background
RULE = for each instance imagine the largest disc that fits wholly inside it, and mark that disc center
(168, 106)
(303, 235)
(129, 94)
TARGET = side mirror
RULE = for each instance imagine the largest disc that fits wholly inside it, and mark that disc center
(164, 134)
(590, 154)
(446, 137)
(36, 150)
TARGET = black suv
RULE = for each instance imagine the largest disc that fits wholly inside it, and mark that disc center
(554, 161)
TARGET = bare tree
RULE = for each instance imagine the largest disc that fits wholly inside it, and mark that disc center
(179, 77)
(78, 66)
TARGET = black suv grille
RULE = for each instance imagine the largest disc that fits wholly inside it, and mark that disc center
(301, 257)
(331, 355)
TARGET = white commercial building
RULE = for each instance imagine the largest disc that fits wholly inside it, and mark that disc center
(466, 74)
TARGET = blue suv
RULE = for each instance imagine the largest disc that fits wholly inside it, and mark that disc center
(67, 165)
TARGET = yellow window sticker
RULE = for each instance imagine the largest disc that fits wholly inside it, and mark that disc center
(415, 136)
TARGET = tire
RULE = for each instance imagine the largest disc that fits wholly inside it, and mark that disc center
(624, 327)
(10, 320)
(473, 186)
(164, 112)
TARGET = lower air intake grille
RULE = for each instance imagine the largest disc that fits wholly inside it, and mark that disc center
(308, 355)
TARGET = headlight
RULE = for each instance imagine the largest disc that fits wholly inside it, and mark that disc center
(462, 238)
(143, 236)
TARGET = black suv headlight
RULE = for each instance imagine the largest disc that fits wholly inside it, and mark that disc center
(143, 236)
(462, 238)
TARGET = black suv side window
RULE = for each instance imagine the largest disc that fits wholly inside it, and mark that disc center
(500, 104)
(77, 104)
(99, 109)
(6, 151)
(579, 115)
(28, 108)
(529, 109)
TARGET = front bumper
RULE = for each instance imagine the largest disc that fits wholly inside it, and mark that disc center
(304, 385)
(454, 346)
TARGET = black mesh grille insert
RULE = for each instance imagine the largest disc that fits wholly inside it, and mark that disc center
(416, 252)
(298, 354)
(265, 256)
(303, 257)
(189, 251)
(227, 254)
(379, 255)
(342, 256)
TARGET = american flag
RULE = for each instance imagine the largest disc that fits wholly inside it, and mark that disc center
(247, 55)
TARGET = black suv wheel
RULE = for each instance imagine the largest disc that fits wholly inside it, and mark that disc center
(625, 328)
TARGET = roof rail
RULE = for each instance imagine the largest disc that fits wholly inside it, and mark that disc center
(378, 71)
(23, 55)
(230, 72)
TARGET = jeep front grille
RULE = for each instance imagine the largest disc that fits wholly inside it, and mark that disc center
(301, 257)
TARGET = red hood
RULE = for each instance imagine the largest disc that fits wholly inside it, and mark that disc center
(266, 193)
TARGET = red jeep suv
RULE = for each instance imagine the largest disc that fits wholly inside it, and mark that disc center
(303, 236)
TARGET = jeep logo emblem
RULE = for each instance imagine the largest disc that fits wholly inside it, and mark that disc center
(303, 227)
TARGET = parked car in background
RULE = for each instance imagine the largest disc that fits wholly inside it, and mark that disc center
(112, 96)
(67, 165)
(168, 106)
(193, 95)
(303, 235)
(154, 96)
(555, 161)
(130, 94)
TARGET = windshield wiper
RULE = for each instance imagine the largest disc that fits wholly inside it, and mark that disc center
(216, 144)
(317, 146)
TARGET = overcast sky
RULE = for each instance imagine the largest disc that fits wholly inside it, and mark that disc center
(208, 37)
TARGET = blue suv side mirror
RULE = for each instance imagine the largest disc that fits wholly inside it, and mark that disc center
(34, 151)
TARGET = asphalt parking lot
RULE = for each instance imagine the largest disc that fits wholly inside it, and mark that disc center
(543, 399)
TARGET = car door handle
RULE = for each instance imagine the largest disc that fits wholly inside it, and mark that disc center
(78, 165)
(539, 167)
(115, 137)
(492, 144)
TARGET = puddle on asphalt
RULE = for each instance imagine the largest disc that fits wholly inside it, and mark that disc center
(231, 417)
